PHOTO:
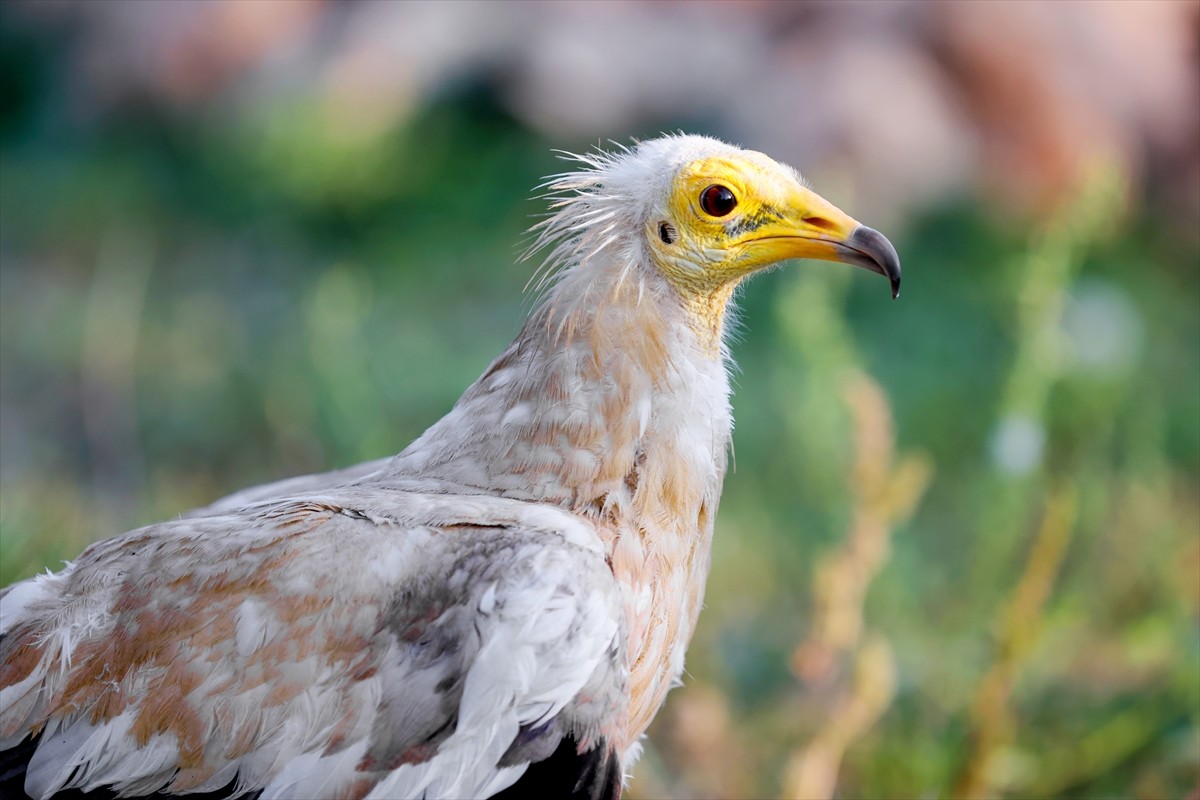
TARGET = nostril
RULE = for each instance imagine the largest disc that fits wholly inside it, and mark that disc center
(820, 223)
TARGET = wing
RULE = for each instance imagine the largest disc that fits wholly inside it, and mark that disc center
(381, 644)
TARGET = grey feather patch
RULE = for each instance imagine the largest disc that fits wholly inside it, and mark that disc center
(534, 743)
(432, 622)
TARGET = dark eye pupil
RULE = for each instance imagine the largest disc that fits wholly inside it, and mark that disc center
(717, 200)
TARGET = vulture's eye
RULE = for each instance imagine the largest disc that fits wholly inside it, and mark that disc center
(717, 200)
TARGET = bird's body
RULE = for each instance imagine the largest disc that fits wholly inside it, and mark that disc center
(502, 606)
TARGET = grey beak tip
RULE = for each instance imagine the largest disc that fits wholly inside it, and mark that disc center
(878, 255)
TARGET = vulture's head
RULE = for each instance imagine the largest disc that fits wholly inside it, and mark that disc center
(704, 214)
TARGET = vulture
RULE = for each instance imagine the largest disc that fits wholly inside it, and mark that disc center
(497, 611)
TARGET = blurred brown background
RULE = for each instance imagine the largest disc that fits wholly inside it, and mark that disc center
(960, 552)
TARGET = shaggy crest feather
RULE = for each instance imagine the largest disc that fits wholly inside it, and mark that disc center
(582, 220)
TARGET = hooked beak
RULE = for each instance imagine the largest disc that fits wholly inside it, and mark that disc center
(809, 226)
(870, 249)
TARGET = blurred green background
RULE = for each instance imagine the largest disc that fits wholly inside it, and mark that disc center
(959, 553)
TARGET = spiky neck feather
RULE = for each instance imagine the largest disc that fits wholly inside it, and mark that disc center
(603, 350)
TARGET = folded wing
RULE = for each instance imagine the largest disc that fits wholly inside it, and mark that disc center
(365, 643)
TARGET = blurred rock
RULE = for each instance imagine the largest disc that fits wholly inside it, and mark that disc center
(893, 105)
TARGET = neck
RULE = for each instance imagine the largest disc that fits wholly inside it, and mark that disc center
(613, 403)
(707, 311)
(605, 375)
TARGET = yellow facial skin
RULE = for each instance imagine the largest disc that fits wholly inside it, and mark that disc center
(776, 218)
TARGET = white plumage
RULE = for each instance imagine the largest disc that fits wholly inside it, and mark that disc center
(507, 601)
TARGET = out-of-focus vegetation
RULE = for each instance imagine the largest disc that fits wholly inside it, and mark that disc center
(960, 549)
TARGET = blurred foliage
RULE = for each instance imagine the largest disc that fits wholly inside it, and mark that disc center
(190, 305)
